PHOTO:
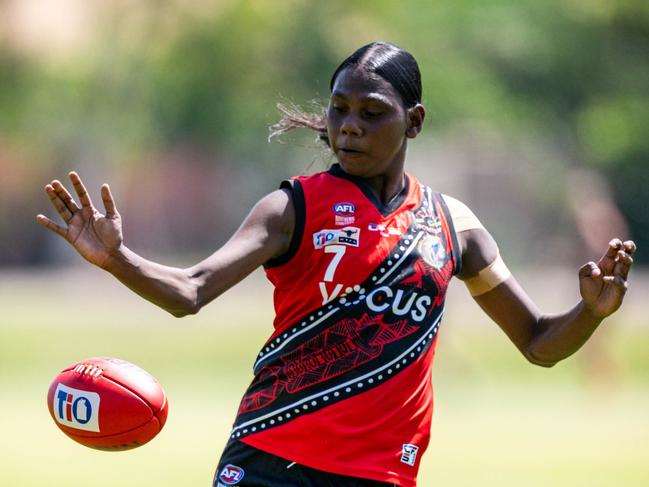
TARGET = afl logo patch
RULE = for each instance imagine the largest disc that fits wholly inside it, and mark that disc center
(344, 212)
(231, 474)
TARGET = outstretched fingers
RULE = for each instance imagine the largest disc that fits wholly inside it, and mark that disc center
(58, 202)
(109, 201)
(49, 224)
(65, 195)
(79, 187)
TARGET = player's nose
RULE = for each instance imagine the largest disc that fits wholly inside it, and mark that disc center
(351, 126)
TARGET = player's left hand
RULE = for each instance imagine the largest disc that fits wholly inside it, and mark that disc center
(603, 284)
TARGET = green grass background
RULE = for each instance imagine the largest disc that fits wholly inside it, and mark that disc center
(498, 420)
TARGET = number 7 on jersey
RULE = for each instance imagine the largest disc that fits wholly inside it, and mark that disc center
(338, 251)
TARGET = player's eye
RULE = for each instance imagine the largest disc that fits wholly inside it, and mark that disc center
(375, 109)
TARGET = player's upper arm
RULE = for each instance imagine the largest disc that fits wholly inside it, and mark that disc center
(482, 266)
(267, 230)
(264, 234)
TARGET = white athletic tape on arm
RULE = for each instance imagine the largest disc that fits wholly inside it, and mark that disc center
(488, 278)
(463, 218)
(496, 272)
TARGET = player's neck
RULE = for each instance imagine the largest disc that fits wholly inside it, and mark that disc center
(386, 187)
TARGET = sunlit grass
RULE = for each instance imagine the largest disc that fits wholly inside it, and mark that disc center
(498, 420)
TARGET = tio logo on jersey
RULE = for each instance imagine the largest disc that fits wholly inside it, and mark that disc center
(76, 408)
(345, 236)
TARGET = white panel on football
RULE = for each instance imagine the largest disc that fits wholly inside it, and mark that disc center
(75, 408)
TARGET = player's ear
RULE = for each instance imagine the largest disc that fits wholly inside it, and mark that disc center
(416, 116)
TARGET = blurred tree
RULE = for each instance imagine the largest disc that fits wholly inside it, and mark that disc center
(203, 78)
(589, 83)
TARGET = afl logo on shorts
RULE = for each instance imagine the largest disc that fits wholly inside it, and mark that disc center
(231, 474)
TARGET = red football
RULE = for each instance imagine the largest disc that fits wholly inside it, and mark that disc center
(107, 403)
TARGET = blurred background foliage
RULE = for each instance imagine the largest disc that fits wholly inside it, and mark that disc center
(537, 117)
(546, 103)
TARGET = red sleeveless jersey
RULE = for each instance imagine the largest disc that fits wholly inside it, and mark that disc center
(344, 383)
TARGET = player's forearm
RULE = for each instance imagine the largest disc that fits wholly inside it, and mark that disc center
(561, 335)
(170, 288)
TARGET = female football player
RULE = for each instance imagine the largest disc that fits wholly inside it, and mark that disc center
(360, 256)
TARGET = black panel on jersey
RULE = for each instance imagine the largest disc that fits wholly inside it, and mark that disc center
(457, 251)
(297, 194)
(386, 209)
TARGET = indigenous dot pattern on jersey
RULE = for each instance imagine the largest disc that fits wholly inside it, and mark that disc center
(359, 340)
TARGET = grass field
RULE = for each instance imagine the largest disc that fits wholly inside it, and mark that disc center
(498, 421)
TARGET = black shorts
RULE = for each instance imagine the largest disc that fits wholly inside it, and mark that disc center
(242, 465)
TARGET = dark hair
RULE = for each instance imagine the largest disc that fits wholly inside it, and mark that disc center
(395, 65)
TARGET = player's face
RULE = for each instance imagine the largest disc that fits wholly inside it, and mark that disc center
(367, 124)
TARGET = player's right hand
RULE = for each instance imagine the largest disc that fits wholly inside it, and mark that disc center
(95, 236)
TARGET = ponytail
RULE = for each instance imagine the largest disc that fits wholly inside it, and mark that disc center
(294, 117)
